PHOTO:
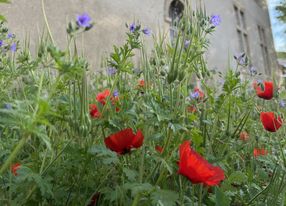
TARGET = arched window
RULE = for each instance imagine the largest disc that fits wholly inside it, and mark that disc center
(176, 10)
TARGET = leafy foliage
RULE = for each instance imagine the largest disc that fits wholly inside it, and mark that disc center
(47, 127)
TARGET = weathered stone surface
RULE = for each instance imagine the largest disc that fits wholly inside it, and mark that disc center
(25, 18)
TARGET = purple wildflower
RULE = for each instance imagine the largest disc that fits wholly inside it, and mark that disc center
(1, 43)
(111, 71)
(7, 106)
(194, 95)
(116, 93)
(10, 35)
(187, 43)
(221, 81)
(13, 47)
(282, 103)
(252, 70)
(132, 27)
(147, 31)
(215, 20)
(241, 59)
(83, 20)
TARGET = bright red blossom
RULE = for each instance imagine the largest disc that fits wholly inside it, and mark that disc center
(270, 122)
(259, 152)
(123, 141)
(14, 168)
(264, 91)
(159, 149)
(197, 169)
(93, 111)
(101, 97)
(243, 136)
(141, 83)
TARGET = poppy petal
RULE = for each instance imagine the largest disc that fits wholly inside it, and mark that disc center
(196, 168)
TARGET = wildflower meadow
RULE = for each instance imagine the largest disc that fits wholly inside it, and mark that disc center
(168, 131)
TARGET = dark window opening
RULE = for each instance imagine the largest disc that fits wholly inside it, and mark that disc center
(176, 10)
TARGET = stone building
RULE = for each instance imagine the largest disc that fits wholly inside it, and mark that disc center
(245, 25)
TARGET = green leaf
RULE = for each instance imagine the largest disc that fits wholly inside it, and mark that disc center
(108, 156)
(138, 187)
(2, 18)
(4, 1)
(130, 174)
(237, 177)
(221, 198)
(164, 197)
(197, 138)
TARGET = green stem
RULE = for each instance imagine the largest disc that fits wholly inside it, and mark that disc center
(200, 195)
(228, 115)
(13, 155)
(112, 89)
(259, 193)
(136, 200)
(46, 22)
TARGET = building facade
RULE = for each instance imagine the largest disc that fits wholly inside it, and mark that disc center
(245, 26)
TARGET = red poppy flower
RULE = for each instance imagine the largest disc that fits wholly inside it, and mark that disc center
(191, 109)
(243, 136)
(123, 141)
(201, 94)
(141, 83)
(259, 152)
(197, 169)
(264, 91)
(159, 149)
(93, 111)
(14, 168)
(101, 97)
(270, 122)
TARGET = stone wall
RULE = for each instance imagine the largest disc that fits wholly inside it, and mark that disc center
(25, 19)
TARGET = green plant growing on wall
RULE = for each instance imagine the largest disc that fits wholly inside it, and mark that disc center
(2, 18)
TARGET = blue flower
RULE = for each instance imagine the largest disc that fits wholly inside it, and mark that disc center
(13, 47)
(116, 93)
(1, 43)
(83, 20)
(253, 71)
(132, 27)
(147, 31)
(187, 43)
(241, 59)
(10, 35)
(221, 81)
(282, 103)
(7, 106)
(111, 71)
(194, 95)
(215, 20)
